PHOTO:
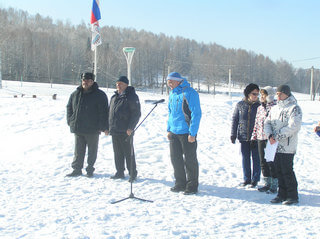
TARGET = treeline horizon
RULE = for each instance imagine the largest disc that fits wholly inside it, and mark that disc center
(34, 48)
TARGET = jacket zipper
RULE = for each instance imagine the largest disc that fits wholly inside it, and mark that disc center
(248, 127)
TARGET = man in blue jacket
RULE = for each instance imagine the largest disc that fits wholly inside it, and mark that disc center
(183, 125)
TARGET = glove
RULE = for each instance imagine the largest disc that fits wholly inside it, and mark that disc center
(253, 144)
(233, 139)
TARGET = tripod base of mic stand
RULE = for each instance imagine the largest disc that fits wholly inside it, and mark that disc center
(131, 196)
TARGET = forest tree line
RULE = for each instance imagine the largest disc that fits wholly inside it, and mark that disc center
(34, 48)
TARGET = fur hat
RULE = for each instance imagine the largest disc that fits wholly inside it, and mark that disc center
(175, 76)
(251, 87)
(87, 76)
(123, 79)
(284, 89)
(270, 93)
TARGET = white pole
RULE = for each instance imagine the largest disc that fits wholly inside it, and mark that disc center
(230, 83)
(129, 72)
(0, 72)
(128, 52)
(95, 64)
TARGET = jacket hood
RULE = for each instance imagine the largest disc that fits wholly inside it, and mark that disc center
(291, 100)
(271, 93)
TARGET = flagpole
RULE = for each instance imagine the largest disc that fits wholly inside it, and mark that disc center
(95, 63)
(96, 40)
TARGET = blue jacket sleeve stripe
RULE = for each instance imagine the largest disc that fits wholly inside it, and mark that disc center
(194, 106)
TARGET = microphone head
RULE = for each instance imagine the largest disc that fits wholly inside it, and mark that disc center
(158, 101)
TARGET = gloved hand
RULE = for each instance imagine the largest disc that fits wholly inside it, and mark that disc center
(233, 139)
(253, 144)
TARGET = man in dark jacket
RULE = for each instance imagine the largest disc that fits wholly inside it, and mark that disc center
(123, 118)
(87, 116)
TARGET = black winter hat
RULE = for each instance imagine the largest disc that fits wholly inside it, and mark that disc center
(251, 87)
(87, 76)
(124, 79)
(284, 89)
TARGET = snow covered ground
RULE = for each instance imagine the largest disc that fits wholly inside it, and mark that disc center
(38, 201)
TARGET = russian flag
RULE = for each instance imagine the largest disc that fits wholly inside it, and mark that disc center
(95, 12)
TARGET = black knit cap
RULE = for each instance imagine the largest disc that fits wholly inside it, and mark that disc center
(123, 79)
(251, 87)
(284, 89)
(87, 76)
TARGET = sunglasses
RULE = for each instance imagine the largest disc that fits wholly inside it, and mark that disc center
(255, 94)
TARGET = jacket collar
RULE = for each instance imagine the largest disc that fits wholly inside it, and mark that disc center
(180, 88)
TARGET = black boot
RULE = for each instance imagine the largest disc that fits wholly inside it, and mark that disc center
(118, 176)
(277, 199)
(266, 186)
(75, 173)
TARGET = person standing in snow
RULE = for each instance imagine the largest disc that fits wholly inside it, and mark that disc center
(267, 168)
(87, 116)
(183, 125)
(124, 114)
(282, 125)
(243, 120)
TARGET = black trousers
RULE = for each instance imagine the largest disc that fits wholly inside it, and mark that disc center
(267, 168)
(288, 185)
(184, 160)
(82, 141)
(123, 150)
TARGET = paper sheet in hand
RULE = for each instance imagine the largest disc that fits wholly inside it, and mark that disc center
(270, 151)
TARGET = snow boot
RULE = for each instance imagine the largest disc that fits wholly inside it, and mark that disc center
(267, 184)
(273, 186)
(75, 173)
(290, 201)
(277, 199)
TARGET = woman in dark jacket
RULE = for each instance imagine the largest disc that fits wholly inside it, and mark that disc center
(242, 126)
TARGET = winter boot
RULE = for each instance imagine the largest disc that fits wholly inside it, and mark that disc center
(273, 186)
(74, 173)
(267, 184)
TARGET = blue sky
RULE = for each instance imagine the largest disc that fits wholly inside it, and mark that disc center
(287, 29)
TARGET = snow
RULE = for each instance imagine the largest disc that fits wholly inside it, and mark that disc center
(38, 201)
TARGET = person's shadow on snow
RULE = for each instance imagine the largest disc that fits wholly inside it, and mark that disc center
(253, 195)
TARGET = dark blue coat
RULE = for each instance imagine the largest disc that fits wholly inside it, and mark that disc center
(124, 111)
(243, 119)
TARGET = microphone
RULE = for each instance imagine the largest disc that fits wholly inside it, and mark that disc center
(159, 101)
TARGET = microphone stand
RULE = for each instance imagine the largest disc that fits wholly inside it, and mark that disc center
(130, 137)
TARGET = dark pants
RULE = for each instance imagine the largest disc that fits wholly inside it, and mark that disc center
(124, 150)
(81, 143)
(267, 168)
(186, 169)
(247, 154)
(288, 185)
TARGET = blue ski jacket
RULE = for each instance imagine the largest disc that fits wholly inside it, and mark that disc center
(184, 96)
